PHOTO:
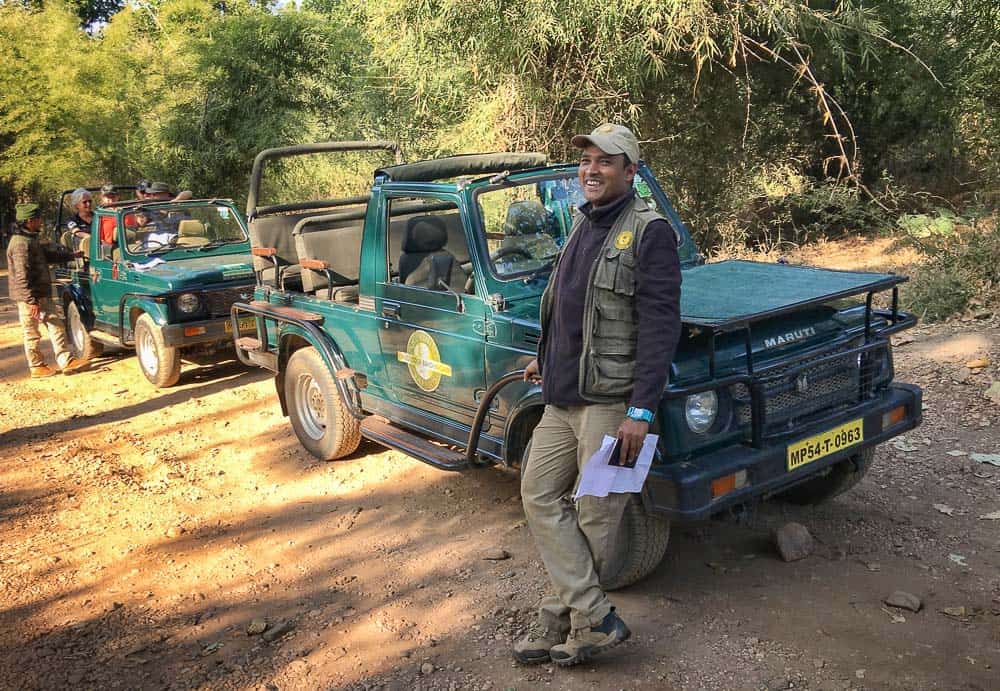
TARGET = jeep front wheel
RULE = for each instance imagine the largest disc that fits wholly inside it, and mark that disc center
(638, 547)
(320, 417)
(81, 345)
(160, 363)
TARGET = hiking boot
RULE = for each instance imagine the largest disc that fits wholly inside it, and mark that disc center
(42, 371)
(73, 365)
(534, 648)
(583, 644)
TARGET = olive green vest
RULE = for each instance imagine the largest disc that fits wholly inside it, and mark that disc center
(610, 324)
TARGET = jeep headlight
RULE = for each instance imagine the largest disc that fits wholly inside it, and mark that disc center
(188, 303)
(700, 410)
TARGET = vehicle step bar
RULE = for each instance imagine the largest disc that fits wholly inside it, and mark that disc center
(250, 346)
(380, 430)
(105, 339)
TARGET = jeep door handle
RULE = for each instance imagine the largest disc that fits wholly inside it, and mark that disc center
(390, 310)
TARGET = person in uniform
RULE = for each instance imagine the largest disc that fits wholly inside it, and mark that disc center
(610, 320)
(31, 288)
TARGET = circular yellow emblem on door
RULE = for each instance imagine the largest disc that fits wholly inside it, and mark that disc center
(423, 360)
(624, 239)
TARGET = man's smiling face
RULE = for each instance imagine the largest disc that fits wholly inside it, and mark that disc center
(604, 177)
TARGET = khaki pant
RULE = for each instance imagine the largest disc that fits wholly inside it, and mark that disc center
(574, 541)
(51, 317)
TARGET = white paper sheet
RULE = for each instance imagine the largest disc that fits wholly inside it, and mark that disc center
(155, 261)
(598, 479)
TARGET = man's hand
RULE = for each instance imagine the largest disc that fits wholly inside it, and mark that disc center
(633, 434)
(34, 311)
(531, 372)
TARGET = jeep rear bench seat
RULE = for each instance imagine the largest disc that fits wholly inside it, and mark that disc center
(275, 259)
(329, 251)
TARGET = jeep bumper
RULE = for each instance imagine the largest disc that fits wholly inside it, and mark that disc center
(683, 491)
(200, 332)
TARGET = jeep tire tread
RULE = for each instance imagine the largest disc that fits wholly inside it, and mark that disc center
(639, 547)
(321, 419)
(81, 345)
(840, 478)
(160, 363)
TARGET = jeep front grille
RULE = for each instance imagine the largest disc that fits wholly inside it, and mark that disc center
(794, 394)
(220, 301)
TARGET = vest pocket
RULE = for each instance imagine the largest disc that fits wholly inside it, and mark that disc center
(616, 271)
(611, 375)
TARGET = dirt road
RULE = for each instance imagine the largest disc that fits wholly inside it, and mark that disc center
(143, 532)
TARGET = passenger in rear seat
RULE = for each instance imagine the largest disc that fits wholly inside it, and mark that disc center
(79, 226)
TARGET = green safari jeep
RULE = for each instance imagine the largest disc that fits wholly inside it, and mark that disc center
(159, 277)
(408, 315)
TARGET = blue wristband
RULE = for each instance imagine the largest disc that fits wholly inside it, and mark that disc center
(640, 414)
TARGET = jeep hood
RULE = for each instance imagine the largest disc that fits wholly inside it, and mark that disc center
(195, 272)
(788, 309)
(732, 292)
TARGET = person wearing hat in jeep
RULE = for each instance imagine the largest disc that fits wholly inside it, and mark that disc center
(166, 222)
(30, 287)
(109, 195)
(619, 274)
(158, 192)
(161, 192)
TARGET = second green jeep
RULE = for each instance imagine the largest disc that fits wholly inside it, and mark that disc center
(159, 277)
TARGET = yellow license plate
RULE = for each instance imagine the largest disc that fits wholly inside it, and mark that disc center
(825, 443)
(246, 323)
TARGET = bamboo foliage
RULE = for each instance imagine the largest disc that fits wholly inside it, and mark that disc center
(722, 93)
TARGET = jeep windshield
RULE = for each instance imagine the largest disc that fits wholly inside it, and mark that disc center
(182, 228)
(526, 223)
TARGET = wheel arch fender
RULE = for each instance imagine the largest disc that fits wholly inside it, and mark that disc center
(76, 295)
(521, 421)
(293, 337)
(135, 307)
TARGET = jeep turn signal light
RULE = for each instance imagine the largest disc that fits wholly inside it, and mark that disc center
(893, 417)
(728, 483)
(194, 330)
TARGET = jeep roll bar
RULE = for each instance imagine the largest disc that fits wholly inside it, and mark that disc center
(253, 196)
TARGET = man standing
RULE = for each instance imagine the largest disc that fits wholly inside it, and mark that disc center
(31, 288)
(610, 319)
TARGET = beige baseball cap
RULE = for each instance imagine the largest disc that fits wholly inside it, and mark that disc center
(611, 139)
